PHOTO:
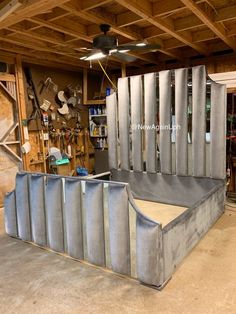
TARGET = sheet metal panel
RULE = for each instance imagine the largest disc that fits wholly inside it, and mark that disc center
(150, 101)
(136, 121)
(218, 131)
(54, 214)
(165, 122)
(177, 190)
(124, 122)
(111, 106)
(198, 120)
(181, 113)
(95, 223)
(37, 210)
(119, 229)
(73, 218)
(149, 252)
(22, 207)
(10, 214)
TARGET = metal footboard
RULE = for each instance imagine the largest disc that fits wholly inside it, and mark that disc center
(90, 220)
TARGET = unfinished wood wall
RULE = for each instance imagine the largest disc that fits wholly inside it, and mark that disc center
(61, 78)
(8, 164)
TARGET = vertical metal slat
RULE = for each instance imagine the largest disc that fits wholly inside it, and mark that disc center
(22, 207)
(54, 214)
(37, 210)
(198, 120)
(119, 229)
(218, 131)
(124, 122)
(150, 104)
(73, 218)
(181, 112)
(136, 121)
(95, 223)
(10, 214)
(111, 105)
(165, 122)
(149, 252)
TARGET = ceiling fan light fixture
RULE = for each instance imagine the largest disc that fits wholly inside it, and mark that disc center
(124, 50)
(95, 56)
(113, 51)
(141, 44)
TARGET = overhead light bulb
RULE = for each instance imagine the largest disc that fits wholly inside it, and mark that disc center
(141, 44)
(96, 56)
(113, 51)
(124, 50)
(83, 58)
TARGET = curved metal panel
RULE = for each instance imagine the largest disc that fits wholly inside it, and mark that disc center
(73, 218)
(95, 222)
(22, 207)
(10, 214)
(54, 215)
(149, 252)
(37, 210)
(119, 228)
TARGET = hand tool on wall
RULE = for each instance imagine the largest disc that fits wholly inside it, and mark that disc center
(48, 84)
(36, 113)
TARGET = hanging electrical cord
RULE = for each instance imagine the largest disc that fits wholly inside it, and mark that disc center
(103, 77)
(104, 71)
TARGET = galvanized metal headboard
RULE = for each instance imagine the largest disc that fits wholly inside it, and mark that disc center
(133, 139)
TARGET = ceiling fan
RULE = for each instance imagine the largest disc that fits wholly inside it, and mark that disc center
(106, 45)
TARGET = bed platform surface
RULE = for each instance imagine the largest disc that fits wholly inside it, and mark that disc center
(160, 212)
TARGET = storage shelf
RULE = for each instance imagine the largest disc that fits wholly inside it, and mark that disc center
(98, 115)
(36, 162)
(95, 102)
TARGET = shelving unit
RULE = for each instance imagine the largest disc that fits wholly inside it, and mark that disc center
(98, 126)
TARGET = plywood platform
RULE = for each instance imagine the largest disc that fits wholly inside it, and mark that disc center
(163, 213)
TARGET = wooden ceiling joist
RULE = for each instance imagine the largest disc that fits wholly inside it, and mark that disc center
(144, 8)
(7, 7)
(127, 18)
(163, 7)
(61, 29)
(99, 16)
(87, 5)
(206, 19)
(54, 39)
(30, 9)
(79, 33)
(226, 14)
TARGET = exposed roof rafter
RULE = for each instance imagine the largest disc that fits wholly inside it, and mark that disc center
(144, 9)
(208, 21)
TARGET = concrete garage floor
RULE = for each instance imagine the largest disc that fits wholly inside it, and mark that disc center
(33, 280)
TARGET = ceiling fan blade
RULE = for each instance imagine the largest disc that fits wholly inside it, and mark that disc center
(124, 57)
(137, 48)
